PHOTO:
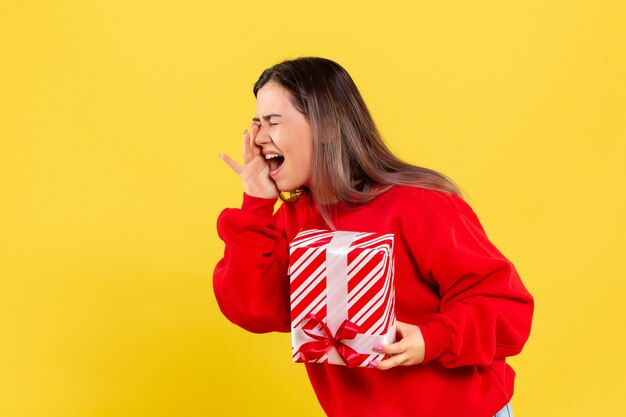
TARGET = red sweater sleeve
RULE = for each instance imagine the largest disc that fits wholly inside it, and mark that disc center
(250, 282)
(485, 311)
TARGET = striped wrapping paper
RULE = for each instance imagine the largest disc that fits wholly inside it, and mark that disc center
(342, 296)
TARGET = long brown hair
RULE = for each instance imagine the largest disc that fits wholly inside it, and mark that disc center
(351, 163)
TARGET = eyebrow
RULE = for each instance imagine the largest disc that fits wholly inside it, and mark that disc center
(266, 117)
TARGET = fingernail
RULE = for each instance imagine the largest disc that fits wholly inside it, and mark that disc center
(373, 364)
(245, 131)
(378, 348)
(219, 155)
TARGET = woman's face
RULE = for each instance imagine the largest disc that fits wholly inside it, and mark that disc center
(285, 137)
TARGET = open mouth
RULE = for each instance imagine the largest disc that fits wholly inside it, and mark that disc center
(275, 161)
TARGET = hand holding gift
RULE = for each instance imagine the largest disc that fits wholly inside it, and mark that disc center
(407, 351)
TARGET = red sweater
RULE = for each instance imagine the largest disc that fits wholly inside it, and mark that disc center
(451, 281)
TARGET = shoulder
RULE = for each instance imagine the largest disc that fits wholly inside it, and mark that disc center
(417, 199)
(426, 208)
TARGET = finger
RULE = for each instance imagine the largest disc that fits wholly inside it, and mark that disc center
(401, 345)
(247, 154)
(394, 348)
(250, 148)
(402, 327)
(232, 164)
(254, 130)
(389, 363)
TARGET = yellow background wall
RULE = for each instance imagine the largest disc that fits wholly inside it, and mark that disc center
(111, 117)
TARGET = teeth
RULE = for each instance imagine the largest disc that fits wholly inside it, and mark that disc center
(271, 155)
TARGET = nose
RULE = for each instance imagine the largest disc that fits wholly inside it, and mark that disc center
(262, 136)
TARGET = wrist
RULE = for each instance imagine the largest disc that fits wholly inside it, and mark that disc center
(258, 205)
(260, 192)
(437, 339)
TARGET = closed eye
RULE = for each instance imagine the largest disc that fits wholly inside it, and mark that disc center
(261, 124)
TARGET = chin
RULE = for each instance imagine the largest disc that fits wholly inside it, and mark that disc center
(286, 188)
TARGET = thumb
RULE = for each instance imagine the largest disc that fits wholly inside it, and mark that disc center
(402, 328)
(232, 164)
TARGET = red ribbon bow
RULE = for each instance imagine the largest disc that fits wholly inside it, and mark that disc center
(313, 351)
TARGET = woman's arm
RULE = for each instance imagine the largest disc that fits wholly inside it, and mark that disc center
(485, 311)
(250, 282)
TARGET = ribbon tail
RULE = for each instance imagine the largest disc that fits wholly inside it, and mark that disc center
(348, 355)
(313, 351)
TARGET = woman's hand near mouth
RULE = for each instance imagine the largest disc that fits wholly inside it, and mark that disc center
(255, 173)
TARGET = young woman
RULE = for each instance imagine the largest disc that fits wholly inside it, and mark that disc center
(460, 304)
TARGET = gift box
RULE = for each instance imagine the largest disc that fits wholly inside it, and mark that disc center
(342, 296)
